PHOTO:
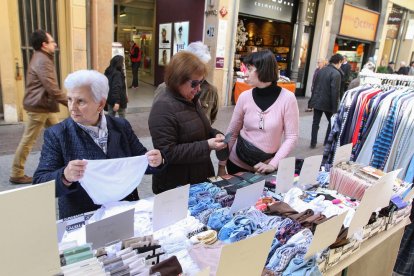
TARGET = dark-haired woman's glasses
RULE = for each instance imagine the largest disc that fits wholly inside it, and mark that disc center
(195, 83)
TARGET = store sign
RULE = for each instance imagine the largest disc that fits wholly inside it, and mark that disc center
(275, 9)
(311, 12)
(359, 23)
(395, 16)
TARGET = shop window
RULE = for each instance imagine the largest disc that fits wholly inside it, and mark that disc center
(264, 34)
(33, 15)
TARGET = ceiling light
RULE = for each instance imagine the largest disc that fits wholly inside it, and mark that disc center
(122, 12)
(353, 47)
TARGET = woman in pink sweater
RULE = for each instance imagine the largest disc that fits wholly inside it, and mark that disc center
(262, 116)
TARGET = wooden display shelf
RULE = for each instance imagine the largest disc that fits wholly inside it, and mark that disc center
(367, 247)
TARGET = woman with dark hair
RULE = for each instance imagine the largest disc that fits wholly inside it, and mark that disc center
(117, 97)
(262, 116)
(179, 126)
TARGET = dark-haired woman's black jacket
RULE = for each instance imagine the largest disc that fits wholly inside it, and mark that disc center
(117, 89)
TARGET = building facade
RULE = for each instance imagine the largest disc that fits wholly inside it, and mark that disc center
(297, 31)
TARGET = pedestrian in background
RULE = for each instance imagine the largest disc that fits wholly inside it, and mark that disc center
(135, 56)
(41, 100)
(369, 67)
(117, 97)
(319, 65)
(403, 70)
(411, 72)
(346, 68)
(390, 67)
(325, 98)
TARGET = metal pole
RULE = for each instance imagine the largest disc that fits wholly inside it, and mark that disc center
(300, 29)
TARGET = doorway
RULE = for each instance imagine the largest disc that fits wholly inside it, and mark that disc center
(134, 20)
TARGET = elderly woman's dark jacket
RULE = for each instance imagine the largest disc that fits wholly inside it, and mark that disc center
(180, 129)
(66, 141)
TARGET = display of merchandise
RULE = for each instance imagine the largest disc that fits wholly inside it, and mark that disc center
(195, 242)
(376, 118)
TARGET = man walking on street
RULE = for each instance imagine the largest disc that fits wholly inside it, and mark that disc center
(325, 97)
(135, 55)
(346, 68)
(41, 100)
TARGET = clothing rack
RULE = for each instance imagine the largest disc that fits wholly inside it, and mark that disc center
(363, 146)
(390, 79)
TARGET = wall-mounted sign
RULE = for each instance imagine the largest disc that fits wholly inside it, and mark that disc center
(180, 36)
(210, 31)
(223, 12)
(219, 62)
(164, 37)
(395, 16)
(311, 12)
(164, 56)
(358, 23)
(275, 9)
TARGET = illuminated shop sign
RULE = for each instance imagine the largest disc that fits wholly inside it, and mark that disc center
(359, 23)
(275, 9)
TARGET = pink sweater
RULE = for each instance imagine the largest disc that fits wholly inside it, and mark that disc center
(280, 118)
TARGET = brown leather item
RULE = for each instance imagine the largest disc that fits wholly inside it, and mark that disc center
(280, 208)
(302, 216)
(312, 221)
(168, 267)
(341, 240)
(43, 94)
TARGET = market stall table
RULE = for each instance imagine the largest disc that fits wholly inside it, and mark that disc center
(376, 255)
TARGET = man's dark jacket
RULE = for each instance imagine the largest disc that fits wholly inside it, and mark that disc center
(180, 129)
(325, 95)
(66, 141)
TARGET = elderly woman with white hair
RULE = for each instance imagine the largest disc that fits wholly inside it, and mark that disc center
(87, 134)
(369, 68)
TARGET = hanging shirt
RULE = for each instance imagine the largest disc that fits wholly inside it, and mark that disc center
(113, 179)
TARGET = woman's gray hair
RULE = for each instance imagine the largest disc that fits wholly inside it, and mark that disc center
(95, 81)
(200, 50)
(370, 66)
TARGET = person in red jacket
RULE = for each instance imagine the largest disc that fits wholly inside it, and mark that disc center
(135, 56)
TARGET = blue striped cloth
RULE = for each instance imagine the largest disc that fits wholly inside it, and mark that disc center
(383, 142)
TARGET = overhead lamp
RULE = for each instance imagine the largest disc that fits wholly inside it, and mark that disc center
(122, 12)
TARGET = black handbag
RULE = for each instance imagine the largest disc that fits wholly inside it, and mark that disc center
(249, 153)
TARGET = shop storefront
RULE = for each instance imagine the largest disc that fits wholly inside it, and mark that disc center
(356, 36)
(399, 36)
(268, 25)
(134, 20)
(271, 25)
